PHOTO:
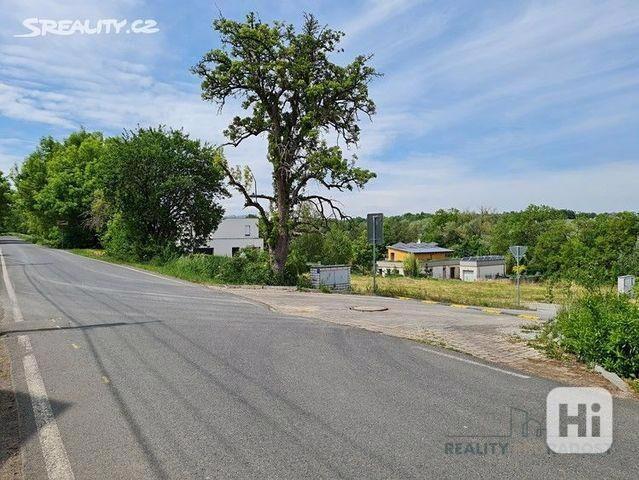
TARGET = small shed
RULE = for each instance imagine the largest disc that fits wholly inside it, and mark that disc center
(335, 277)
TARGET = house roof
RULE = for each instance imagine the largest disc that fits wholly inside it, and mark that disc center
(419, 247)
(484, 258)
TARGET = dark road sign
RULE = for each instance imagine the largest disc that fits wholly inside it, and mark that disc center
(375, 223)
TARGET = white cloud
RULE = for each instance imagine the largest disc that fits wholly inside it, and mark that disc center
(608, 187)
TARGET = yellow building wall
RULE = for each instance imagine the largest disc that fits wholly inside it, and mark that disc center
(399, 256)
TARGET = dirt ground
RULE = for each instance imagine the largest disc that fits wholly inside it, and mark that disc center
(10, 458)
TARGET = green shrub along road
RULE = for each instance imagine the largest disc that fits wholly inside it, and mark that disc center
(250, 267)
(601, 328)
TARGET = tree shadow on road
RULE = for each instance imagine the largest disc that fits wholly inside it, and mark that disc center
(16, 427)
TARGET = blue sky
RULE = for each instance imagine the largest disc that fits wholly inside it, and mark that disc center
(492, 104)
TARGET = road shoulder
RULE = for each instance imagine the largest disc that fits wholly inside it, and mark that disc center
(10, 456)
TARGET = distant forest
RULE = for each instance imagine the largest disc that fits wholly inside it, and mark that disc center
(562, 244)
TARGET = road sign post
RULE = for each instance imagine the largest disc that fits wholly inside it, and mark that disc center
(375, 227)
(518, 252)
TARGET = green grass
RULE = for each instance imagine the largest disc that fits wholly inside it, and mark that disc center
(251, 266)
(196, 268)
(484, 293)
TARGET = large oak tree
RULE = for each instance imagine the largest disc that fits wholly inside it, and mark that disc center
(296, 96)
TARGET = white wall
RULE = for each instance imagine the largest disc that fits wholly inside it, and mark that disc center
(491, 271)
(235, 233)
(472, 271)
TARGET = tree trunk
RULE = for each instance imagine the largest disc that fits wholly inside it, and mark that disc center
(282, 233)
(280, 252)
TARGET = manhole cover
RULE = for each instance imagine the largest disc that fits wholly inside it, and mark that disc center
(359, 308)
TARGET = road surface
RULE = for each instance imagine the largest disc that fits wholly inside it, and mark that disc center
(125, 375)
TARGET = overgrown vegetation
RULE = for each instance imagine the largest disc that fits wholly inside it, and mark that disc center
(250, 266)
(601, 328)
(159, 190)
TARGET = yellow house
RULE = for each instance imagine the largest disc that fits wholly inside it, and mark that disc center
(423, 251)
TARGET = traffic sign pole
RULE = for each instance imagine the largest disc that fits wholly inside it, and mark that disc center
(518, 251)
(374, 268)
(375, 235)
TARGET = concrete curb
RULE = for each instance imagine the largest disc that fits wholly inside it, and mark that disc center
(613, 378)
(490, 310)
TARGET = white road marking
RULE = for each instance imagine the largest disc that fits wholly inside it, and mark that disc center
(55, 455)
(17, 315)
(24, 341)
(465, 360)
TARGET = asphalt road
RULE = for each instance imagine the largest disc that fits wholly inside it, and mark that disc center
(153, 378)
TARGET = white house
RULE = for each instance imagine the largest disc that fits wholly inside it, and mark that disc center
(233, 234)
(482, 268)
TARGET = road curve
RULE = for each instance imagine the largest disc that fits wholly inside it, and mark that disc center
(152, 378)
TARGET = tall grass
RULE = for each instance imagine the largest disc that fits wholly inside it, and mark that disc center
(483, 293)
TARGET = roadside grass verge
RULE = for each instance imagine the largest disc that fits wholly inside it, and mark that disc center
(249, 267)
(191, 271)
(485, 293)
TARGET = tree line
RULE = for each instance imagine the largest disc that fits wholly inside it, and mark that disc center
(588, 248)
(146, 193)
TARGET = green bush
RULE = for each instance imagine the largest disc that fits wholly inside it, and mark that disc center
(250, 265)
(602, 328)
(411, 266)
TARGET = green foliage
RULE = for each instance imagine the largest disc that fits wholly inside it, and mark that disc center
(54, 189)
(602, 328)
(294, 94)
(411, 266)
(589, 249)
(6, 203)
(337, 248)
(162, 188)
(250, 266)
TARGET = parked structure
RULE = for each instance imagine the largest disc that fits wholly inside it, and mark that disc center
(482, 268)
(233, 234)
(335, 277)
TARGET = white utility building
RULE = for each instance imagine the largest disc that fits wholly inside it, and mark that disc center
(482, 268)
(233, 234)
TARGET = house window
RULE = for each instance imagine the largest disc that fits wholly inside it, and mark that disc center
(392, 256)
(235, 251)
(247, 230)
